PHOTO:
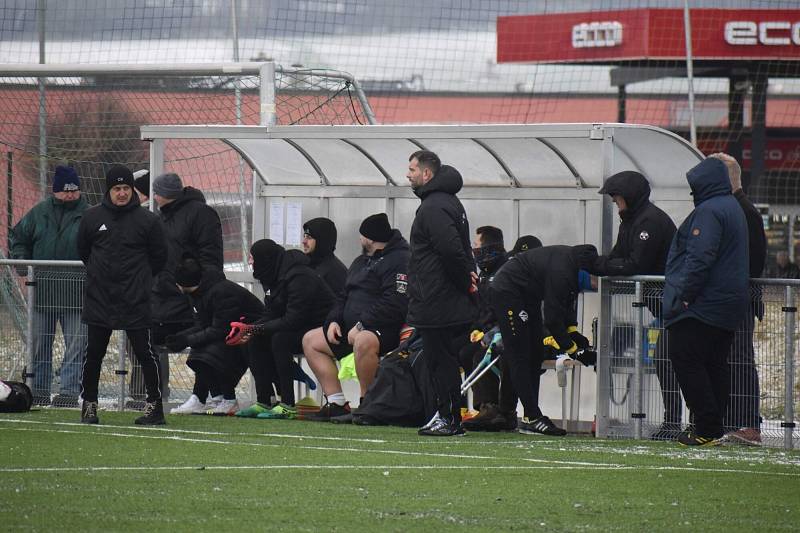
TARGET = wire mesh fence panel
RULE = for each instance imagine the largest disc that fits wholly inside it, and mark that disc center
(646, 392)
(13, 324)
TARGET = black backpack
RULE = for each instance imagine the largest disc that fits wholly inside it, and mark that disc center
(402, 393)
(15, 396)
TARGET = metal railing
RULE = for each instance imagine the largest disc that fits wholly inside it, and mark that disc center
(637, 391)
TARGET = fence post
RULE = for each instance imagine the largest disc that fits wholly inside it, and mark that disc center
(267, 94)
(30, 290)
(603, 360)
(121, 372)
(788, 404)
(638, 413)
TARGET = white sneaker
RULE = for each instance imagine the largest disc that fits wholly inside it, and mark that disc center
(224, 408)
(192, 406)
(213, 401)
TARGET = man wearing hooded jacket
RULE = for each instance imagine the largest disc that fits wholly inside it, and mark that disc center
(534, 289)
(319, 242)
(442, 282)
(645, 234)
(123, 247)
(706, 297)
(297, 300)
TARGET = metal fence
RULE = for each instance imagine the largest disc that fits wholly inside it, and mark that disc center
(637, 391)
(43, 342)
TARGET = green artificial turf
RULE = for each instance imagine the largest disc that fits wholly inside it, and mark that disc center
(226, 474)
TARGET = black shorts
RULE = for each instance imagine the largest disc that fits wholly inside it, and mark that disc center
(388, 340)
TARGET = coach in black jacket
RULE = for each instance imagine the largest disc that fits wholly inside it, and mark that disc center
(297, 300)
(643, 241)
(442, 281)
(535, 288)
(122, 246)
(319, 243)
(367, 317)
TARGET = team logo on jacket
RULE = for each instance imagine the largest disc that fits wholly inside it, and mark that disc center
(523, 315)
(643, 236)
(401, 283)
(102, 228)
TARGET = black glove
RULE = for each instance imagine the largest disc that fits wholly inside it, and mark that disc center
(587, 357)
(176, 343)
(580, 340)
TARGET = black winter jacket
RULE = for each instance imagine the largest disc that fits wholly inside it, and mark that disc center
(548, 274)
(298, 300)
(217, 303)
(375, 292)
(756, 237)
(122, 248)
(441, 256)
(645, 232)
(322, 259)
(486, 319)
(190, 226)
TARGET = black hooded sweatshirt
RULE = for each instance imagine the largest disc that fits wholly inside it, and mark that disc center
(190, 227)
(122, 247)
(645, 231)
(441, 256)
(550, 275)
(297, 298)
(375, 292)
(323, 261)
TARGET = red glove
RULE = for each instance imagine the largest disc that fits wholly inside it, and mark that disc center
(240, 333)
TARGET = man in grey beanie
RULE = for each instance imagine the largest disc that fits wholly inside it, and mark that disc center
(190, 227)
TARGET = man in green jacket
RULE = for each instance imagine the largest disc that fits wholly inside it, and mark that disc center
(49, 231)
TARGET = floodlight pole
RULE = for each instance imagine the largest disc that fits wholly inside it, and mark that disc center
(687, 28)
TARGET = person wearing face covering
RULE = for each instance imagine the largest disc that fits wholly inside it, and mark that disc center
(319, 243)
(297, 300)
(534, 289)
(49, 231)
(218, 367)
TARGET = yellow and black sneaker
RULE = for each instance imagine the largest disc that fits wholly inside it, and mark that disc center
(689, 438)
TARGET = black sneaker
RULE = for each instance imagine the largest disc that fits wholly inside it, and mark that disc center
(666, 431)
(505, 421)
(690, 438)
(65, 400)
(443, 426)
(540, 426)
(484, 420)
(346, 418)
(153, 414)
(89, 413)
(328, 411)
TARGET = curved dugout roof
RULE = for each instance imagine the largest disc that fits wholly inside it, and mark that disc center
(536, 155)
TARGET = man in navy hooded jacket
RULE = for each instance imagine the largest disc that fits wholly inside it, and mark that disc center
(706, 297)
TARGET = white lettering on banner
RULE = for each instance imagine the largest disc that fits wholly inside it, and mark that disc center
(597, 34)
(770, 33)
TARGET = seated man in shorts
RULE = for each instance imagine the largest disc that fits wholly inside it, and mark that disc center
(367, 317)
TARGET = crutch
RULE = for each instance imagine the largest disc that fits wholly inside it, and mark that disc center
(486, 364)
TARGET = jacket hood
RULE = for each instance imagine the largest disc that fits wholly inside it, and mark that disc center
(447, 180)
(210, 278)
(267, 258)
(632, 186)
(323, 230)
(396, 242)
(291, 259)
(708, 179)
(190, 194)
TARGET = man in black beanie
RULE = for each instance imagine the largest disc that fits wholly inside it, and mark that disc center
(122, 246)
(319, 242)
(297, 300)
(367, 317)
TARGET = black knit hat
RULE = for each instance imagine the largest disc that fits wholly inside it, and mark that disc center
(142, 184)
(189, 273)
(376, 228)
(525, 243)
(119, 175)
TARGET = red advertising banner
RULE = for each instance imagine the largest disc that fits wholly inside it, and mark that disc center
(780, 154)
(655, 34)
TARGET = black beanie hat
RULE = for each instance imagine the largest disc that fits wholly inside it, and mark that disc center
(142, 184)
(267, 256)
(376, 228)
(189, 273)
(119, 175)
(322, 230)
(525, 243)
